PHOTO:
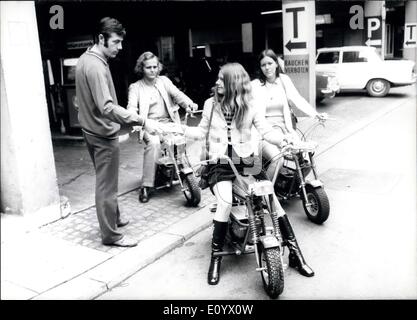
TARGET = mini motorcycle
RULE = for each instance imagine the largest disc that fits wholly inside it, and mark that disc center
(173, 166)
(254, 228)
(298, 178)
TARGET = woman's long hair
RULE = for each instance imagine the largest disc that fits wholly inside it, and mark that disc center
(140, 63)
(237, 91)
(271, 54)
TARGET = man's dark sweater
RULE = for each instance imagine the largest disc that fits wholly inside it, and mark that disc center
(99, 114)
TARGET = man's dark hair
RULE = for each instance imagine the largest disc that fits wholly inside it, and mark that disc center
(106, 27)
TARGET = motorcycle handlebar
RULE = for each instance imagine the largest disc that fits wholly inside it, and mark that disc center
(190, 113)
(299, 146)
(290, 147)
(320, 122)
(326, 118)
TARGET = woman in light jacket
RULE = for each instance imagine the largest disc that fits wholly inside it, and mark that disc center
(154, 97)
(234, 114)
(278, 97)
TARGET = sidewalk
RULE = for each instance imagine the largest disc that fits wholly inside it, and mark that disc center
(65, 260)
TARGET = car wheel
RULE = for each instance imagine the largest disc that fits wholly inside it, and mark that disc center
(378, 87)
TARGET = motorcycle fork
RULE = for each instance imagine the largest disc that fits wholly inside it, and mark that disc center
(274, 217)
(313, 166)
(302, 180)
(177, 166)
(252, 226)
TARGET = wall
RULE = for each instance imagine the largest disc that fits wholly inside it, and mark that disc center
(217, 34)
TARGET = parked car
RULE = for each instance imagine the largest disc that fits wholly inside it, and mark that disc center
(326, 83)
(360, 68)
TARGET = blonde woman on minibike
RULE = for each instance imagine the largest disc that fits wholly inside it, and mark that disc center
(233, 113)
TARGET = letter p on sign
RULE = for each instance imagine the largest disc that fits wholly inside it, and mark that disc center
(373, 25)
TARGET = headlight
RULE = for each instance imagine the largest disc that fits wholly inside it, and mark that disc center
(261, 188)
(333, 83)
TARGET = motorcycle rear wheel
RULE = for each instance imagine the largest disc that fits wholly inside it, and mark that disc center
(319, 210)
(192, 191)
(273, 274)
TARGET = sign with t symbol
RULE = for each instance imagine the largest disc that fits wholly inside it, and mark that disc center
(294, 19)
(299, 45)
(410, 35)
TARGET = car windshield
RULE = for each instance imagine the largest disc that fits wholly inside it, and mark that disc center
(328, 57)
(354, 56)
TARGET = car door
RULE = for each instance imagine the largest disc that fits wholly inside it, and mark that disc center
(354, 70)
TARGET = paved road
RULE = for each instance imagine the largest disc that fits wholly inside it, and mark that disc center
(366, 250)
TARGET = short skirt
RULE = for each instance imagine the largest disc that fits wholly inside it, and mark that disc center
(221, 171)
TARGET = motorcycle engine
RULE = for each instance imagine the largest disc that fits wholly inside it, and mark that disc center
(237, 231)
(164, 173)
(284, 179)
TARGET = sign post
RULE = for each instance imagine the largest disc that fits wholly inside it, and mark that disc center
(299, 35)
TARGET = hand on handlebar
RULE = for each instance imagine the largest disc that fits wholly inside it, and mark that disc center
(288, 139)
(153, 127)
(191, 108)
(194, 107)
(184, 128)
(322, 116)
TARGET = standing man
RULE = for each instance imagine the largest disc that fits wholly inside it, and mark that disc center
(100, 117)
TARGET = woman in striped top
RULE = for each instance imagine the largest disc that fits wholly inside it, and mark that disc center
(233, 114)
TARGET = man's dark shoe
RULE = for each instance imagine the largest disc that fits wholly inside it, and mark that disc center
(122, 223)
(123, 242)
(144, 194)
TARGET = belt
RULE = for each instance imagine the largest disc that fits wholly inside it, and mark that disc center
(112, 137)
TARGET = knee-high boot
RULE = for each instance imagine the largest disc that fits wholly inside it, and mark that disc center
(296, 259)
(219, 235)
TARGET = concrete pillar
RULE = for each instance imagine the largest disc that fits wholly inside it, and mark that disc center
(375, 25)
(410, 51)
(28, 178)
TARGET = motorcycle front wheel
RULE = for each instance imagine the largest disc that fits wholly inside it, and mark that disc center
(191, 191)
(318, 211)
(272, 272)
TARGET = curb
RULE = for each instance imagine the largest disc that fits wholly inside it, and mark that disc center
(101, 278)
